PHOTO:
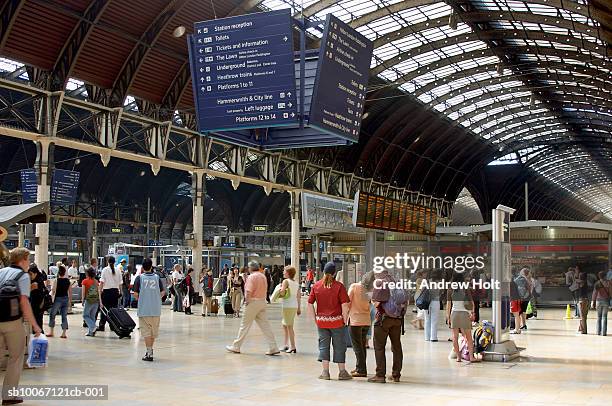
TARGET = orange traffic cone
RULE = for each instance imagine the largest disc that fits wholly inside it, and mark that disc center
(568, 313)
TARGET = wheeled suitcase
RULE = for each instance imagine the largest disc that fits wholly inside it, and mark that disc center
(214, 307)
(228, 309)
(119, 321)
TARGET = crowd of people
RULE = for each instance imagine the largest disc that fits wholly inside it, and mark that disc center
(343, 317)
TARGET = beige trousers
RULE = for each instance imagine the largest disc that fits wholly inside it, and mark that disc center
(12, 337)
(236, 300)
(206, 305)
(255, 311)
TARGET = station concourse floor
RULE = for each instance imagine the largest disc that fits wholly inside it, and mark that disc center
(192, 367)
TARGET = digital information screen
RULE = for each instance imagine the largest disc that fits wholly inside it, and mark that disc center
(29, 185)
(305, 245)
(243, 72)
(378, 212)
(259, 228)
(342, 79)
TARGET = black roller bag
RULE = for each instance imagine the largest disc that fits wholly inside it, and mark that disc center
(119, 321)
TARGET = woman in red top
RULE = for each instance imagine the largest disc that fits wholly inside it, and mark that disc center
(331, 317)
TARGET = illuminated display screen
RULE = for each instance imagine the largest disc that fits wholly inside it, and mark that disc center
(305, 245)
(378, 212)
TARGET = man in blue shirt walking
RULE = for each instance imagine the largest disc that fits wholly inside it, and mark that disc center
(148, 290)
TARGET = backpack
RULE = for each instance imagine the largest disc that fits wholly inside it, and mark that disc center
(396, 305)
(92, 294)
(127, 278)
(424, 300)
(483, 336)
(182, 286)
(523, 290)
(10, 308)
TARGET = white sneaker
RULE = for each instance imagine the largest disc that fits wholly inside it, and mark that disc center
(231, 348)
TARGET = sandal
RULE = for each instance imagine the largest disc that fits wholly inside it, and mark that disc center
(63, 336)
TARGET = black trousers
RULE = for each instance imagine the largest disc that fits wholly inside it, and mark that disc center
(477, 311)
(110, 299)
(359, 338)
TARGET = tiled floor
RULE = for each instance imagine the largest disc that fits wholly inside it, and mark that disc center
(192, 367)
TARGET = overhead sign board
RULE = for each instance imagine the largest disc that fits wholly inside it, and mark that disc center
(116, 230)
(342, 79)
(242, 70)
(64, 187)
(29, 185)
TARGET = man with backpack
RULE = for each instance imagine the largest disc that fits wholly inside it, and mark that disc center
(148, 290)
(15, 305)
(389, 323)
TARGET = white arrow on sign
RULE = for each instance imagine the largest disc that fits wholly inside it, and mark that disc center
(292, 115)
(290, 105)
(202, 80)
(201, 70)
(201, 60)
(289, 94)
(285, 38)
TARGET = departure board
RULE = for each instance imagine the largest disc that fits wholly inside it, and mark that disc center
(342, 79)
(243, 72)
(378, 212)
(305, 245)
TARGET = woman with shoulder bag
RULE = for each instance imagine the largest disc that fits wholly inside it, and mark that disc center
(237, 292)
(206, 282)
(602, 293)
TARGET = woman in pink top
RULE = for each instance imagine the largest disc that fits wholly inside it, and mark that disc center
(359, 320)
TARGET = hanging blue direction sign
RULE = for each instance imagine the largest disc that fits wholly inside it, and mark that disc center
(342, 79)
(29, 185)
(242, 71)
(64, 187)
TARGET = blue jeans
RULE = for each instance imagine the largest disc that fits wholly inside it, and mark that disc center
(337, 336)
(602, 317)
(431, 321)
(127, 297)
(60, 305)
(89, 315)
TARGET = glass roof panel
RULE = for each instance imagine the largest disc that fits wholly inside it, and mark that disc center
(554, 56)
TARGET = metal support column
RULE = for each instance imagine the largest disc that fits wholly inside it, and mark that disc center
(370, 250)
(21, 235)
(198, 186)
(44, 166)
(502, 348)
(609, 250)
(526, 201)
(295, 229)
(317, 257)
(94, 239)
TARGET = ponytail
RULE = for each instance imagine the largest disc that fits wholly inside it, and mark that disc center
(111, 263)
(328, 279)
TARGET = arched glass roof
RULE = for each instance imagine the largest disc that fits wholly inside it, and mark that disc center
(523, 75)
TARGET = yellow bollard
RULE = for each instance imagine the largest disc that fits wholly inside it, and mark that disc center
(568, 313)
